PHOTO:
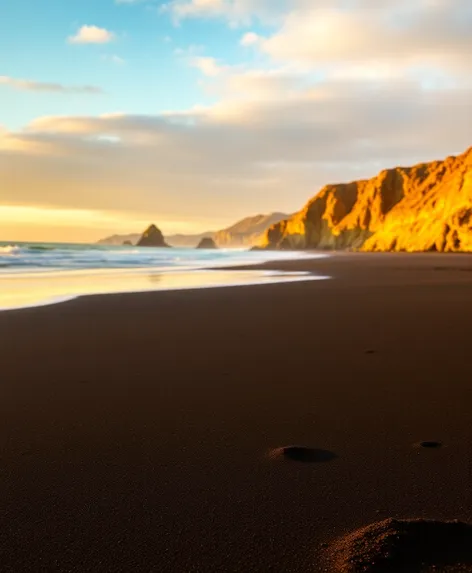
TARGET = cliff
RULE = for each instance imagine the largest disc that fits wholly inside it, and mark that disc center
(152, 237)
(427, 207)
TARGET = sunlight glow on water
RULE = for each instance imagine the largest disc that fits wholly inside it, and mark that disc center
(33, 274)
(37, 289)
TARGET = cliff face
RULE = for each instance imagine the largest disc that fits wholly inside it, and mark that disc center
(423, 208)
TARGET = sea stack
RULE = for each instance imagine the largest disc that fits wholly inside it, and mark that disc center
(152, 237)
(207, 243)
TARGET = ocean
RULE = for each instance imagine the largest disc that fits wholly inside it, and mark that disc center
(33, 274)
(37, 257)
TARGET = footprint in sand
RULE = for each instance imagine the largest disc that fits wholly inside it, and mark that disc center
(429, 444)
(302, 454)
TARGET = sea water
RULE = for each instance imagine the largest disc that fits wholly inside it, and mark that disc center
(33, 274)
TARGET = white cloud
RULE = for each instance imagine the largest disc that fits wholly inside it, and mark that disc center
(208, 66)
(249, 39)
(235, 157)
(418, 33)
(382, 34)
(190, 51)
(91, 35)
(236, 12)
(50, 87)
(188, 8)
(333, 93)
(239, 84)
(114, 59)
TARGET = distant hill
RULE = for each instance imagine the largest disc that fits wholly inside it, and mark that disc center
(248, 232)
(116, 240)
(244, 233)
(187, 240)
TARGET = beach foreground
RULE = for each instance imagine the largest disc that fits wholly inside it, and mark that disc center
(144, 432)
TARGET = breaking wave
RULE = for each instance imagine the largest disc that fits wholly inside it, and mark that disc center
(38, 257)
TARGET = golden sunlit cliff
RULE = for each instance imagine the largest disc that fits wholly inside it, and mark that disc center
(427, 207)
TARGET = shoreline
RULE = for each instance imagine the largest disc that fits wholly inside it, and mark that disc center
(142, 432)
(30, 290)
(45, 284)
(139, 279)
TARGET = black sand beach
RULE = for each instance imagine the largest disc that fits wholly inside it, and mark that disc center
(137, 432)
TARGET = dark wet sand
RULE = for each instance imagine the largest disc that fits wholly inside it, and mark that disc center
(135, 429)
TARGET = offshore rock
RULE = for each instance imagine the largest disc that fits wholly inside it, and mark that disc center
(152, 237)
(207, 243)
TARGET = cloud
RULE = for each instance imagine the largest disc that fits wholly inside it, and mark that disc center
(249, 39)
(91, 35)
(275, 11)
(241, 84)
(34, 86)
(417, 33)
(114, 59)
(236, 12)
(333, 93)
(208, 66)
(192, 8)
(233, 158)
(334, 33)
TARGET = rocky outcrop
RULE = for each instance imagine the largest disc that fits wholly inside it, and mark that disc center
(423, 208)
(207, 243)
(152, 237)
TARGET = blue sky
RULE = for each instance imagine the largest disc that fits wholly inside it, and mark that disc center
(151, 77)
(198, 113)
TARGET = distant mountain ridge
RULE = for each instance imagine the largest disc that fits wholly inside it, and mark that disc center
(427, 207)
(118, 240)
(245, 233)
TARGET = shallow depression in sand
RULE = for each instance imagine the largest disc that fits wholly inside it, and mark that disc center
(302, 454)
(429, 445)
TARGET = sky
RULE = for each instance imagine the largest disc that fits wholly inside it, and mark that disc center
(192, 114)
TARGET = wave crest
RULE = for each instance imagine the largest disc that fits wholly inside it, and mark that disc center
(10, 250)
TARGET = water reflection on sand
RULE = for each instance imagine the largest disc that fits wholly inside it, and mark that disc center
(20, 290)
